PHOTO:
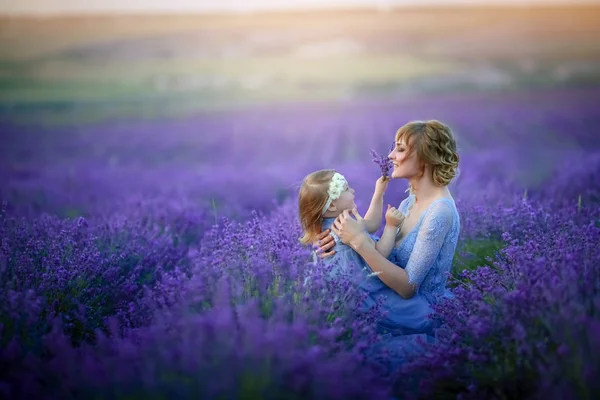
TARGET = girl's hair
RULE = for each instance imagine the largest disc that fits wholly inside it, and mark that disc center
(435, 145)
(311, 200)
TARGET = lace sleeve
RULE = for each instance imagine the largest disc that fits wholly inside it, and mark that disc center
(430, 238)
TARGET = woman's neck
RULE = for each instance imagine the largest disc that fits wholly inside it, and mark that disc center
(425, 190)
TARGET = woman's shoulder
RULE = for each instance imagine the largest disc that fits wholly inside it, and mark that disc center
(406, 203)
(442, 208)
(444, 205)
(442, 216)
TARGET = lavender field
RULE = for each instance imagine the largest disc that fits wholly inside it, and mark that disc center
(155, 258)
(139, 264)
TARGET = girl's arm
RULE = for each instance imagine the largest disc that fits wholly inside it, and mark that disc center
(372, 218)
(386, 243)
(393, 221)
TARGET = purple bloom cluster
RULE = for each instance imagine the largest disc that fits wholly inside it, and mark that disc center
(247, 313)
(383, 162)
(152, 265)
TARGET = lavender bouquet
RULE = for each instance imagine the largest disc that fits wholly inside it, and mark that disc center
(384, 163)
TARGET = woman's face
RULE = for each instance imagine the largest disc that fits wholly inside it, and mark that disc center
(406, 164)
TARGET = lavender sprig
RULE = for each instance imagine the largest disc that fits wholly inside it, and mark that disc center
(384, 163)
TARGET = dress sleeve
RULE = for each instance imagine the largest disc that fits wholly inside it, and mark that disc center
(430, 239)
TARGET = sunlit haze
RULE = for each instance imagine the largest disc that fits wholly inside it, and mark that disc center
(157, 6)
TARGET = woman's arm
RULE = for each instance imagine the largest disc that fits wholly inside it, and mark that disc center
(430, 239)
(350, 232)
(394, 277)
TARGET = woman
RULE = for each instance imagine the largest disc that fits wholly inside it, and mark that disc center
(424, 154)
(323, 196)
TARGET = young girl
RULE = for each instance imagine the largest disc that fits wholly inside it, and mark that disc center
(326, 194)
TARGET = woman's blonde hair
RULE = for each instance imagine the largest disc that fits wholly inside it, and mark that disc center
(311, 200)
(435, 145)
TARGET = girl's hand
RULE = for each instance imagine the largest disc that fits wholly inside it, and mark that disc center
(393, 217)
(381, 186)
(323, 243)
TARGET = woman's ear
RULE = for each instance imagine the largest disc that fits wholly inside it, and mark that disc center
(423, 166)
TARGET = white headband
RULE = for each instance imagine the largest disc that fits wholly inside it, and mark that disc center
(336, 188)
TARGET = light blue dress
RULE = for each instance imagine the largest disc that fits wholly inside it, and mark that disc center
(397, 316)
(426, 253)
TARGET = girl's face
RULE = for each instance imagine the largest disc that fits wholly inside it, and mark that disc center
(346, 200)
(405, 162)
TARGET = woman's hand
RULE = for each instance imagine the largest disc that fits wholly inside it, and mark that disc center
(324, 243)
(350, 230)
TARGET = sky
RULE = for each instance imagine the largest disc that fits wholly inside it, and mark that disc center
(157, 6)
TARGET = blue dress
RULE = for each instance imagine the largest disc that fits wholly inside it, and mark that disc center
(397, 316)
(426, 253)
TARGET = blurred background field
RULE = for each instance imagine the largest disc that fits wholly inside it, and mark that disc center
(101, 110)
(85, 69)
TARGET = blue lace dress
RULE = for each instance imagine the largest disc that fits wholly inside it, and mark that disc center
(426, 253)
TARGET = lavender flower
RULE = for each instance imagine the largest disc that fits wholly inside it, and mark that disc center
(384, 163)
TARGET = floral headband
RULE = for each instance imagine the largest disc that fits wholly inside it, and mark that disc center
(337, 185)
